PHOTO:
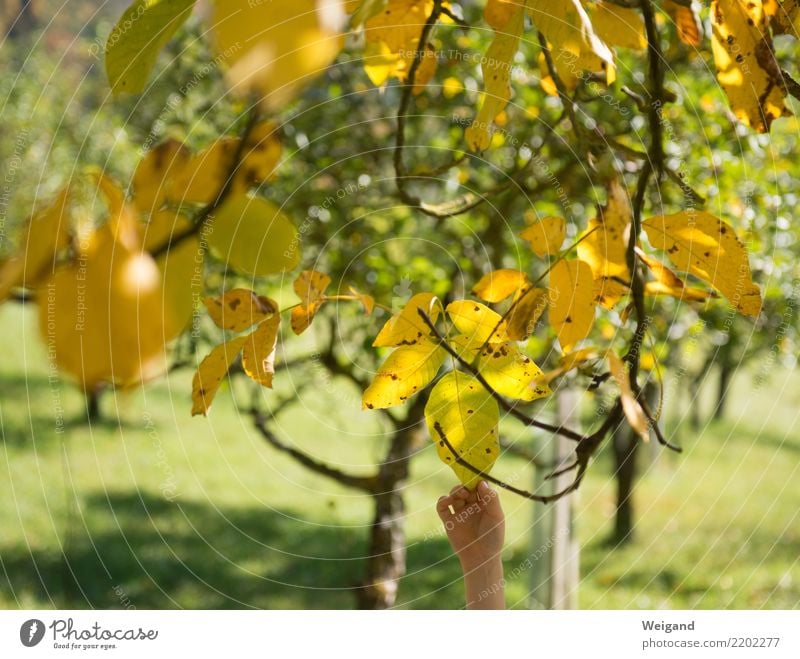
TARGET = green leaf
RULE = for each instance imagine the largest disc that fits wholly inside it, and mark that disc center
(137, 39)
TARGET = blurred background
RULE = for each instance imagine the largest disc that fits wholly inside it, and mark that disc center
(125, 500)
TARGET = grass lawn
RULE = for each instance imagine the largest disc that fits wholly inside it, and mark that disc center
(156, 509)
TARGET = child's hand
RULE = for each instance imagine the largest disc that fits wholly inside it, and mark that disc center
(476, 527)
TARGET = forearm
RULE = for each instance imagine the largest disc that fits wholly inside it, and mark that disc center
(484, 585)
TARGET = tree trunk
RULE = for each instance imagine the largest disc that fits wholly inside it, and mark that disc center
(723, 386)
(555, 553)
(93, 405)
(626, 445)
(386, 559)
(18, 18)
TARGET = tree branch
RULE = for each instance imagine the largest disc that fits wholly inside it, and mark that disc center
(364, 483)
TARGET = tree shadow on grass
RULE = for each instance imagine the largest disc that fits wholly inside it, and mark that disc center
(151, 553)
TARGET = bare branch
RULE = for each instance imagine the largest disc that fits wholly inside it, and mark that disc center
(364, 483)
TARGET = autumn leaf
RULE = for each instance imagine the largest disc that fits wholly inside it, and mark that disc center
(511, 373)
(240, 309)
(258, 352)
(408, 327)
(574, 45)
(361, 10)
(181, 268)
(617, 26)
(571, 301)
(706, 247)
(496, 66)
(367, 301)
(310, 287)
(153, 179)
(477, 322)
(200, 179)
(687, 22)
(274, 49)
(500, 284)
(254, 236)
(630, 406)
(392, 40)
(136, 40)
(525, 312)
(404, 373)
(746, 65)
(497, 13)
(462, 411)
(46, 233)
(568, 362)
(260, 157)
(668, 283)
(604, 246)
(210, 373)
(546, 236)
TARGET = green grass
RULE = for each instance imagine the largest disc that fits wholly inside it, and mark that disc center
(158, 509)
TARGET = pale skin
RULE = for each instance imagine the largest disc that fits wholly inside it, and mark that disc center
(475, 526)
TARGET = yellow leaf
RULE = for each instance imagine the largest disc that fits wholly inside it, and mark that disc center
(511, 373)
(608, 292)
(687, 22)
(604, 244)
(380, 63)
(310, 287)
(153, 180)
(211, 371)
(618, 26)
(574, 46)
(630, 406)
(408, 327)
(255, 236)
(571, 301)
(258, 353)
(496, 66)
(46, 233)
(477, 322)
(274, 49)
(239, 309)
(367, 301)
(135, 41)
(525, 312)
(746, 66)
(201, 178)
(399, 25)
(546, 236)
(181, 268)
(668, 283)
(260, 156)
(404, 373)
(706, 247)
(497, 13)
(546, 81)
(103, 316)
(462, 411)
(568, 362)
(497, 285)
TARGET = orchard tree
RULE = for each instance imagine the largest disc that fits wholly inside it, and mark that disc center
(543, 158)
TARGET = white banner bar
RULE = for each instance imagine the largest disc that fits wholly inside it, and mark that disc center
(400, 634)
